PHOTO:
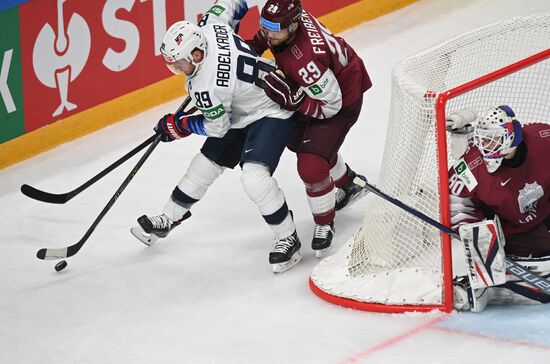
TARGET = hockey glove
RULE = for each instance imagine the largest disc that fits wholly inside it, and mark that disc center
(284, 92)
(179, 125)
(460, 119)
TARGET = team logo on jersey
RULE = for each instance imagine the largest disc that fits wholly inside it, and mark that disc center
(544, 133)
(296, 52)
(217, 10)
(465, 174)
(476, 162)
(529, 196)
(214, 113)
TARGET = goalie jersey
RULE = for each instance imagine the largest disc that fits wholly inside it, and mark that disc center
(518, 193)
(228, 86)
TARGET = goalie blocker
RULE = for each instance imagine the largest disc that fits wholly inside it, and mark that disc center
(486, 281)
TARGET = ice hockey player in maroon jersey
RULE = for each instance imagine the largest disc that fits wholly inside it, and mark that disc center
(506, 173)
(321, 78)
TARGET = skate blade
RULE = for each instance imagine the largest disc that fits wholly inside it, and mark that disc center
(321, 253)
(283, 267)
(141, 235)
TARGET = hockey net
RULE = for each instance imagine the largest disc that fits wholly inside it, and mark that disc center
(396, 262)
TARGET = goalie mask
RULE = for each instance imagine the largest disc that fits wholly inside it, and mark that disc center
(178, 44)
(496, 135)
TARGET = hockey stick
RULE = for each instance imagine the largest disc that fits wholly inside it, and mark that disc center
(60, 253)
(512, 267)
(61, 198)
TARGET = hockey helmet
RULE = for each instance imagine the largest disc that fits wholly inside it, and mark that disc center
(178, 44)
(497, 134)
(280, 14)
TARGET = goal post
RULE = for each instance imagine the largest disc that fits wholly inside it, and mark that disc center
(396, 262)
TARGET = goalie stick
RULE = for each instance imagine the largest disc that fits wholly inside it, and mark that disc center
(512, 267)
(61, 253)
(61, 198)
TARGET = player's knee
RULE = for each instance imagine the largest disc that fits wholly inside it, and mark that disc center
(262, 188)
(202, 172)
(256, 180)
(314, 171)
(205, 169)
(312, 168)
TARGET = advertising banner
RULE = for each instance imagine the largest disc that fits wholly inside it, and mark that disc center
(78, 54)
(8, 4)
(11, 97)
(77, 66)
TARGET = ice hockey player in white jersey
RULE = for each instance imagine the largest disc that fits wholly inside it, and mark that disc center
(243, 126)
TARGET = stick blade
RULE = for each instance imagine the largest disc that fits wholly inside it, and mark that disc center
(43, 196)
(50, 254)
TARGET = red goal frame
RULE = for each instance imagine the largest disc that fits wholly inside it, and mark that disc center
(440, 109)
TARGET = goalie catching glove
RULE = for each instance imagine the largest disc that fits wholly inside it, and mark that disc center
(282, 91)
(460, 119)
(176, 126)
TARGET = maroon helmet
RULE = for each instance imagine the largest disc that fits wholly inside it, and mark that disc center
(279, 14)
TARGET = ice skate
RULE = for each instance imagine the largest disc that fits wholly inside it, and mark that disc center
(353, 191)
(322, 239)
(466, 298)
(285, 254)
(152, 228)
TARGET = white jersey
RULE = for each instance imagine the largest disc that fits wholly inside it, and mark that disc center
(227, 87)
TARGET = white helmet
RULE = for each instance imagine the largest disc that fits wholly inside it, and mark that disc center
(497, 134)
(179, 42)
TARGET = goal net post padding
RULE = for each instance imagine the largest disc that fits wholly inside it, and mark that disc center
(396, 262)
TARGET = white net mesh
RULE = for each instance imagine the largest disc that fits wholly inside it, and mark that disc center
(395, 258)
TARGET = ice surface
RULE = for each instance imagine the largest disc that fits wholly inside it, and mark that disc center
(206, 294)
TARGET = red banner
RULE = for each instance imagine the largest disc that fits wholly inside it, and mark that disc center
(79, 54)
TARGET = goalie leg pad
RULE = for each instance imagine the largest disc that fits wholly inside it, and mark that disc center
(484, 250)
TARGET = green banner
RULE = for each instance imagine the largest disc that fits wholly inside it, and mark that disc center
(11, 92)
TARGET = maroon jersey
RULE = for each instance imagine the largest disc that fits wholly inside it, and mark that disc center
(519, 195)
(324, 65)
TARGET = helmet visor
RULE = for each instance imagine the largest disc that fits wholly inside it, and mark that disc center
(269, 25)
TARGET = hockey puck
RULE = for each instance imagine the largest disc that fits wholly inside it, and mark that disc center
(61, 265)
